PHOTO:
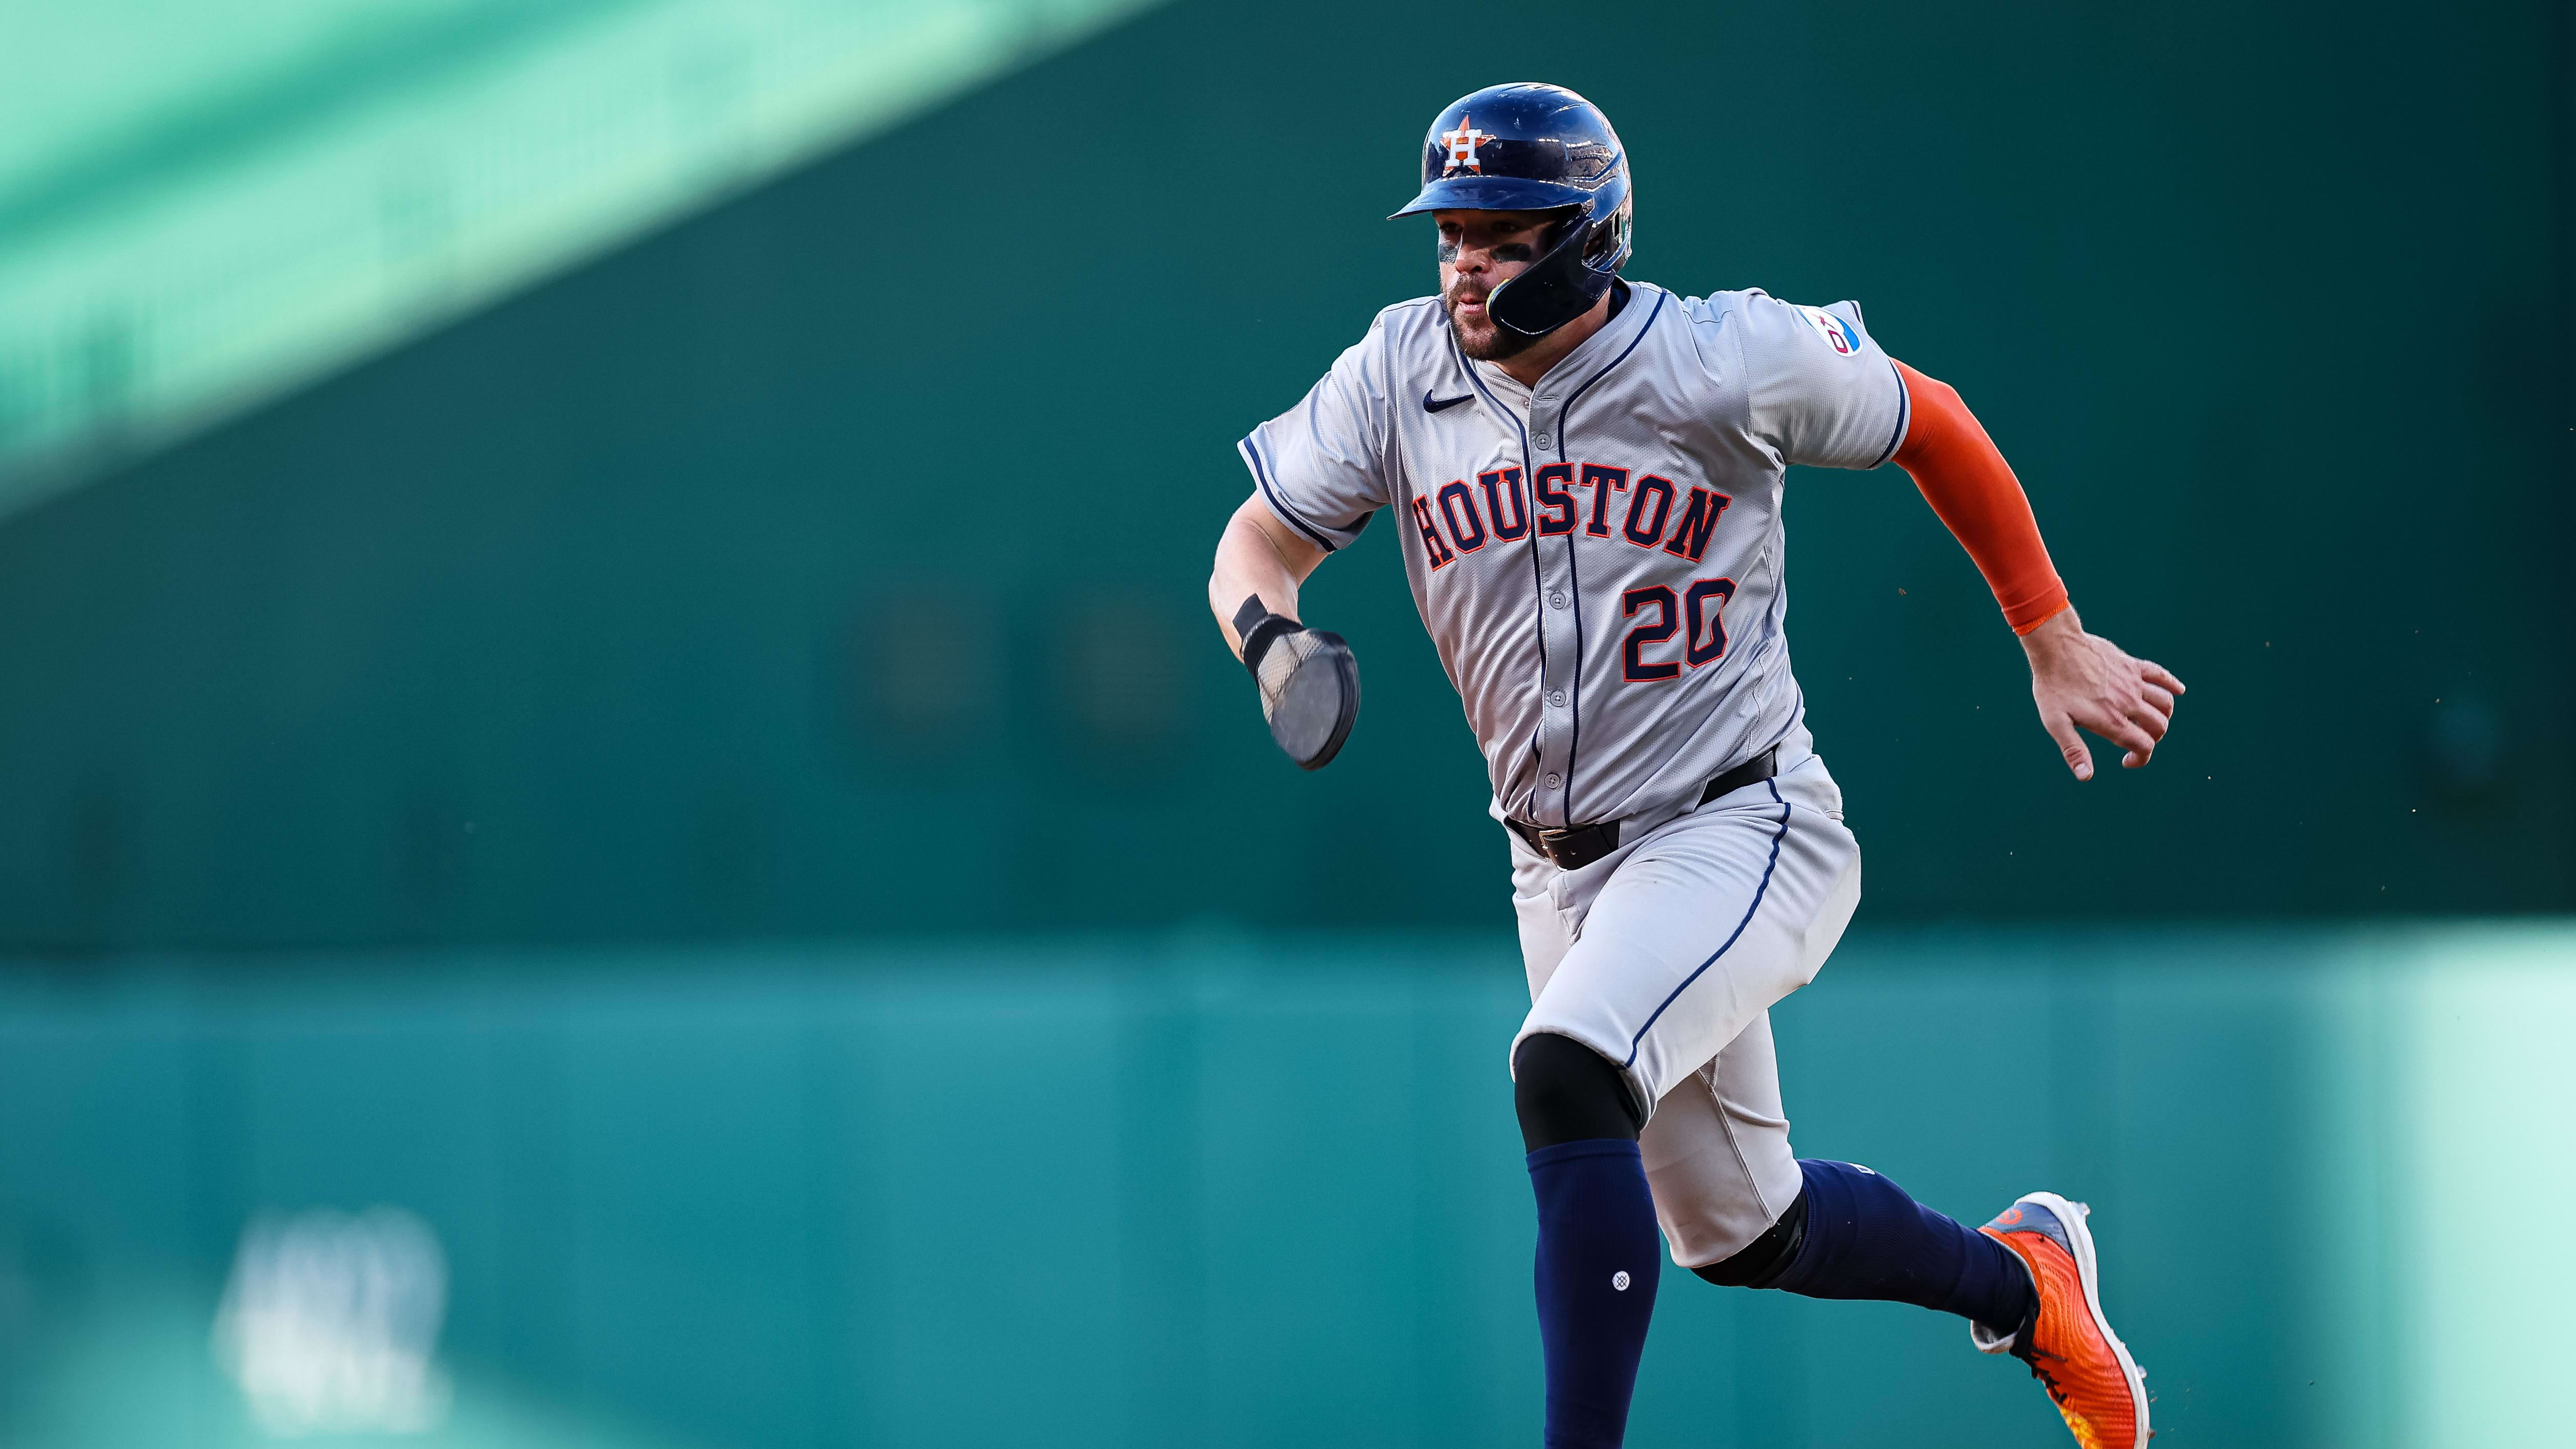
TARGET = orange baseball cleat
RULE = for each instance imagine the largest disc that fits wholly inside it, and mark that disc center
(2099, 1390)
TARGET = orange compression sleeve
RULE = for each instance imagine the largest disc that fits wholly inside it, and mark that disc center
(1970, 485)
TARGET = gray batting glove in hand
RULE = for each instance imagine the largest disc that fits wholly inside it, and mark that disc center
(1310, 683)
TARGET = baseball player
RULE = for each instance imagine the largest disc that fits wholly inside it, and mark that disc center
(1584, 474)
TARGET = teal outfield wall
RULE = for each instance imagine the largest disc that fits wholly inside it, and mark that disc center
(1196, 1191)
(832, 563)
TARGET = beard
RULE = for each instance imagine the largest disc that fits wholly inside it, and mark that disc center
(1496, 344)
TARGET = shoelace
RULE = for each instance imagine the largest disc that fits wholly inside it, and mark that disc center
(2046, 1380)
(2057, 1395)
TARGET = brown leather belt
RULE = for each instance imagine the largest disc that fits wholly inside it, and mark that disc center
(1576, 846)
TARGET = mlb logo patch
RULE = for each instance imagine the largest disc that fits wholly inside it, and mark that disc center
(1839, 335)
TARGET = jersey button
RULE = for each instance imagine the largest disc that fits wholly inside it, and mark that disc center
(1542, 440)
(1554, 780)
(1556, 600)
(1557, 699)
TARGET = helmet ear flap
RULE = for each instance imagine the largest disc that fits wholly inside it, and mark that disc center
(1560, 230)
(1582, 260)
(1609, 244)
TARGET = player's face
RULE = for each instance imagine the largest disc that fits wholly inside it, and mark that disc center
(1479, 251)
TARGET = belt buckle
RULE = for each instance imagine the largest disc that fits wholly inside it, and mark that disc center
(1569, 847)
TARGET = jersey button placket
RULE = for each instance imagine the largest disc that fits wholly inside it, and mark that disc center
(1558, 626)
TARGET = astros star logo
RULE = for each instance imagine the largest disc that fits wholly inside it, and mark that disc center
(1462, 144)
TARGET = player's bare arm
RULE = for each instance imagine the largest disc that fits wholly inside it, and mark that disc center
(1257, 557)
(1309, 681)
(2076, 679)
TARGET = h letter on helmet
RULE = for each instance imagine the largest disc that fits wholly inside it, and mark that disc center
(1532, 147)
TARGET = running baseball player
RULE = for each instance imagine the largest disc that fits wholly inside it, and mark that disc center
(1585, 477)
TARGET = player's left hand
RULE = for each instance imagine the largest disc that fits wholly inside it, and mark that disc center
(1310, 683)
(2084, 679)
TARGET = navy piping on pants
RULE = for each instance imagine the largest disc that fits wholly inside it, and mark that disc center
(1758, 892)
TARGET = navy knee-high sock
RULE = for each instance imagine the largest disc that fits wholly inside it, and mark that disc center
(1867, 1239)
(1598, 1256)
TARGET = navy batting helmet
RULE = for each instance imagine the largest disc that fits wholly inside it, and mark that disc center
(1531, 147)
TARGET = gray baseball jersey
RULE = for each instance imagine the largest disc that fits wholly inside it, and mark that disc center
(1598, 559)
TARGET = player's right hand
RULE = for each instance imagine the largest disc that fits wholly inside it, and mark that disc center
(1309, 679)
(2084, 679)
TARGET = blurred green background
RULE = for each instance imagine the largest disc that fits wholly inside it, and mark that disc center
(625, 828)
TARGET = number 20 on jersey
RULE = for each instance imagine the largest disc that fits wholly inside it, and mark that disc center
(1456, 520)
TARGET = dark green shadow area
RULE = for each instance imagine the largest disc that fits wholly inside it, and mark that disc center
(832, 563)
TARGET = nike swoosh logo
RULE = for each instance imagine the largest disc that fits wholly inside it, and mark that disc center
(1432, 404)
